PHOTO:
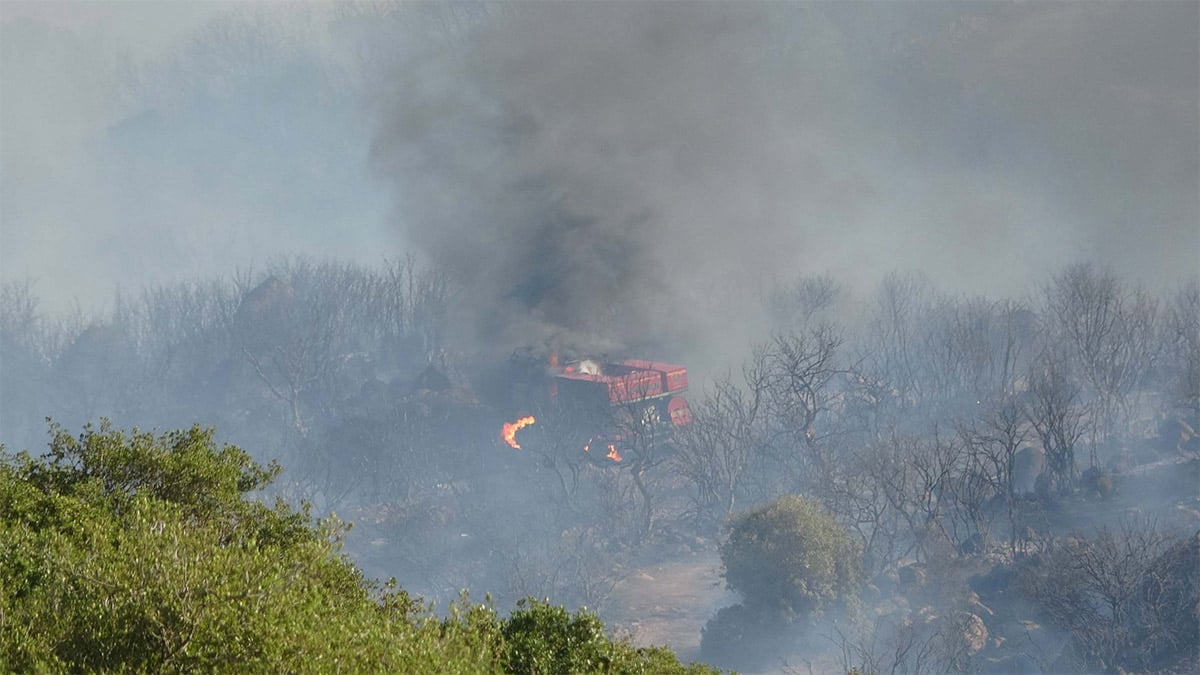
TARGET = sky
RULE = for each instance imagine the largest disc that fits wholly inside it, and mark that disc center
(583, 166)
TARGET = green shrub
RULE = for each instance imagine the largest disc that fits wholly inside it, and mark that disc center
(738, 637)
(792, 558)
(791, 561)
(141, 552)
(145, 553)
(543, 638)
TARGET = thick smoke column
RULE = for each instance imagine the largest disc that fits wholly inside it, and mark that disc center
(614, 169)
(576, 166)
(618, 171)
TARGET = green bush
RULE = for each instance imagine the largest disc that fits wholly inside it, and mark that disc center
(790, 560)
(144, 553)
(738, 637)
(791, 557)
(545, 639)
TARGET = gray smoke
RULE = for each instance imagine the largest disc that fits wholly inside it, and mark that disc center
(613, 172)
(615, 169)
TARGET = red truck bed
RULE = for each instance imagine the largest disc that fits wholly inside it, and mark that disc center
(674, 377)
(615, 389)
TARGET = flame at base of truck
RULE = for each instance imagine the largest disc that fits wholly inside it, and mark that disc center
(621, 404)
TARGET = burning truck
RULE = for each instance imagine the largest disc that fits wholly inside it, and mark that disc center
(615, 405)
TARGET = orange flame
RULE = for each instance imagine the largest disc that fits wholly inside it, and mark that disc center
(612, 450)
(511, 428)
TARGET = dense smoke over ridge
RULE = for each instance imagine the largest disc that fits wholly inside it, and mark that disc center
(606, 170)
(591, 163)
(598, 166)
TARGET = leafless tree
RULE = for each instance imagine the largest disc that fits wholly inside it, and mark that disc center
(295, 328)
(1182, 347)
(1060, 419)
(800, 304)
(642, 446)
(858, 491)
(799, 373)
(892, 352)
(887, 380)
(937, 466)
(869, 403)
(28, 348)
(183, 337)
(576, 568)
(916, 644)
(714, 452)
(98, 374)
(19, 315)
(567, 441)
(894, 494)
(1110, 330)
(412, 305)
(992, 440)
(1107, 591)
(973, 349)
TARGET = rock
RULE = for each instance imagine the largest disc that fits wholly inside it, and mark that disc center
(895, 607)
(887, 582)
(912, 574)
(1068, 662)
(1027, 464)
(974, 601)
(973, 545)
(1174, 434)
(926, 614)
(1191, 446)
(1045, 486)
(1021, 663)
(974, 633)
(996, 582)
(1097, 482)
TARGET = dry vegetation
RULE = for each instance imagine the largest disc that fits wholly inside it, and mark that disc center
(977, 453)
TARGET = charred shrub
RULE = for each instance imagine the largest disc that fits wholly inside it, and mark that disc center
(1128, 597)
(1097, 482)
(1165, 619)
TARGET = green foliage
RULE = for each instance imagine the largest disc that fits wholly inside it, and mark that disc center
(543, 638)
(792, 557)
(143, 553)
(741, 637)
(546, 639)
(790, 560)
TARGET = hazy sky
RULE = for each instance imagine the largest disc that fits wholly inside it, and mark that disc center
(588, 164)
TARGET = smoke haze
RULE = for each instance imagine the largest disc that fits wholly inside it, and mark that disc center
(605, 171)
(380, 202)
